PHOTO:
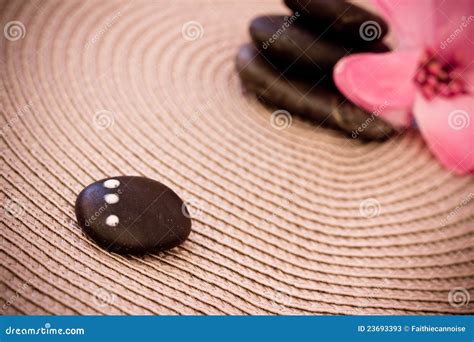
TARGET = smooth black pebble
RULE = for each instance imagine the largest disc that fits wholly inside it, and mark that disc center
(132, 215)
(287, 49)
(322, 104)
(339, 19)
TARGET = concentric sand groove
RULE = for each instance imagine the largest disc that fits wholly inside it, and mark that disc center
(283, 225)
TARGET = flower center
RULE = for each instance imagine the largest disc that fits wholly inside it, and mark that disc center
(437, 77)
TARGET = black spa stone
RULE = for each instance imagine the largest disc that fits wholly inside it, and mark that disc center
(340, 19)
(290, 45)
(132, 215)
(313, 99)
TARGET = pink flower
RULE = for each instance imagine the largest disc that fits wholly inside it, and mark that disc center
(428, 78)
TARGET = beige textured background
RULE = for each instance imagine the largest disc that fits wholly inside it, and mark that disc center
(101, 88)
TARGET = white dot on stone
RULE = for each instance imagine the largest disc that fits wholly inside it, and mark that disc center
(111, 198)
(112, 220)
(111, 183)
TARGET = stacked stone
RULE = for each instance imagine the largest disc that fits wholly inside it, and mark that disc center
(290, 61)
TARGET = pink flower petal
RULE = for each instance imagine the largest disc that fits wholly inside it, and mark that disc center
(380, 83)
(447, 125)
(411, 20)
(454, 30)
(468, 78)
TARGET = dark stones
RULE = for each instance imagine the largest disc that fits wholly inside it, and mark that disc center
(316, 100)
(294, 45)
(132, 215)
(341, 20)
(290, 65)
